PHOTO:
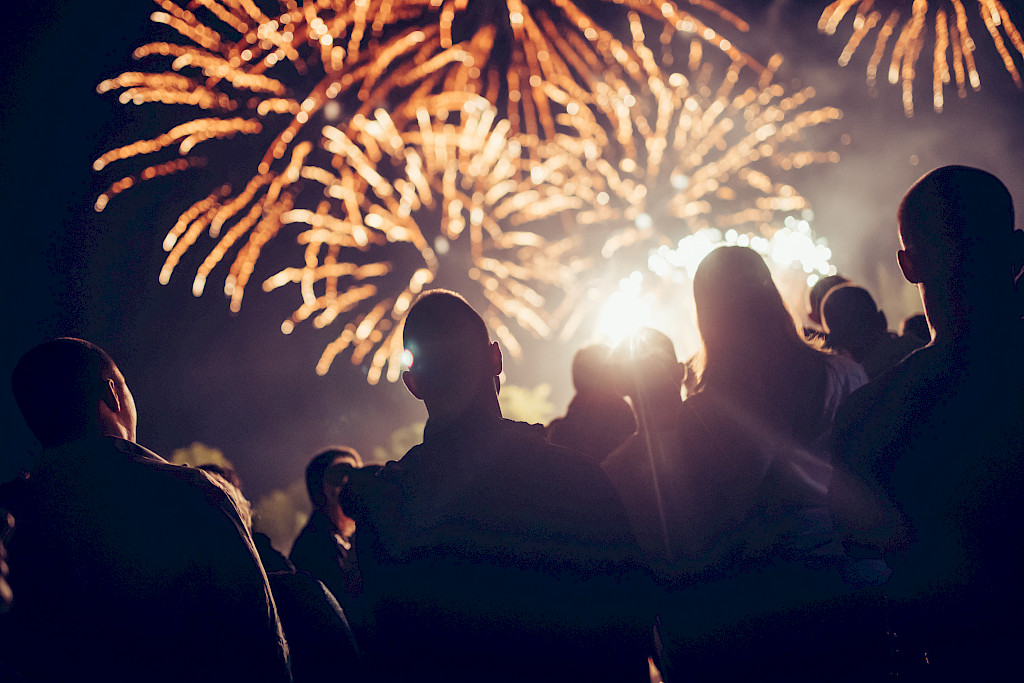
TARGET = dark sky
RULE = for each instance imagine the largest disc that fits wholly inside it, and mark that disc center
(235, 382)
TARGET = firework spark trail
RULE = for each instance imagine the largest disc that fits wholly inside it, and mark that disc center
(910, 22)
(701, 154)
(242, 72)
(459, 140)
(368, 52)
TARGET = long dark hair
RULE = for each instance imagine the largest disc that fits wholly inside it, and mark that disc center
(753, 350)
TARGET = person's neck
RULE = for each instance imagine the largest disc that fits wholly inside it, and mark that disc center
(116, 429)
(956, 318)
(484, 407)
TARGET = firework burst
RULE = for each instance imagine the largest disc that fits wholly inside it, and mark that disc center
(396, 210)
(902, 29)
(352, 97)
(703, 156)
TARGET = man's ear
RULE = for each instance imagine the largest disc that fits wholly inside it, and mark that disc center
(109, 397)
(908, 267)
(410, 383)
(495, 359)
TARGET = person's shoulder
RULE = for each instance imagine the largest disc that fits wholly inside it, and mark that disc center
(526, 455)
(188, 490)
(887, 399)
(528, 444)
(183, 477)
(625, 456)
(843, 364)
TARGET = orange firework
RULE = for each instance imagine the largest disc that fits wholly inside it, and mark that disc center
(707, 151)
(903, 28)
(381, 115)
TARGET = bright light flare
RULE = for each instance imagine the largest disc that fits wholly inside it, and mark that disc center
(662, 297)
(626, 311)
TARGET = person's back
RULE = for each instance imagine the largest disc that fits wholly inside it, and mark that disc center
(320, 640)
(506, 548)
(134, 568)
(126, 564)
(598, 419)
(742, 485)
(491, 553)
(930, 456)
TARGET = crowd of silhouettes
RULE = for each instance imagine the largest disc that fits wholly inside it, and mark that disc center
(831, 502)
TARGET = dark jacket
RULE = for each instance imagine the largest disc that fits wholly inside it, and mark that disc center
(497, 556)
(136, 569)
(930, 472)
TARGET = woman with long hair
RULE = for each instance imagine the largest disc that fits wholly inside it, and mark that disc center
(755, 357)
(753, 551)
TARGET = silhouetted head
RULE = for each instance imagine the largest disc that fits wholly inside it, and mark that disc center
(748, 333)
(454, 365)
(68, 389)
(959, 245)
(739, 308)
(645, 363)
(590, 368)
(321, 491)
(852, 320)
(817, 295)
(958, 221)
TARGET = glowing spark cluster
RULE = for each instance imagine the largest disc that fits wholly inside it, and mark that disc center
(391, 206)
(906, 25)
(655, 297)
(507, 145)
(349, 100)
(702, 156)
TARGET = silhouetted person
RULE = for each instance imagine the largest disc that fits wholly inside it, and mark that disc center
(598, 418)
(931, 454)
(646, 369)
(320, 641)
(917, 325)
(814, 298)
(126, 567)
(324, 546)
(495, 555)
(857, 327)
(739, 471)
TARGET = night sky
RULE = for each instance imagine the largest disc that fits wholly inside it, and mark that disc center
(234, 382)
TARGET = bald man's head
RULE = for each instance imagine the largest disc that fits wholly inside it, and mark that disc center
(956, 218)
(68, 389)
(453, 360)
